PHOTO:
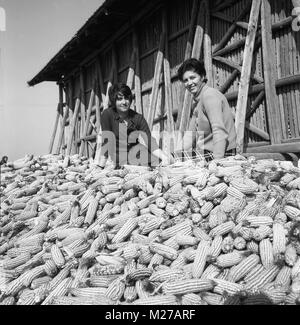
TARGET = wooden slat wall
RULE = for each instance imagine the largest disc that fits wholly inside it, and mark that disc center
(286, 45)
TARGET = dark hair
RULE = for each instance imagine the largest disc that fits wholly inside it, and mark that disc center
(192, 65)
(117, 89)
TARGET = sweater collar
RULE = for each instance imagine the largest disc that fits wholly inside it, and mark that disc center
(196, 98)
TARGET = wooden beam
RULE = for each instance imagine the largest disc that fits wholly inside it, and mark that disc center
(258, 100)
(245, 76)
(155, 87)
(223, 17)
(207, 47)
(237, 67)
(87, 121)
(82, 99)
(232, 28)
(183, 116)
(273, 114)
(167, 77)
(54, 130)
(224, 5)
(229, 81)
(72, 127)
(264, 135)
(188, 51)
(131, 72)
(280, 148)
(137, 79)
(258, 88)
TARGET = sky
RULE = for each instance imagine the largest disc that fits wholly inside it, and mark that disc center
(35, 31)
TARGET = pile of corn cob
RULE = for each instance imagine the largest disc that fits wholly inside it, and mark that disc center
(224, 232)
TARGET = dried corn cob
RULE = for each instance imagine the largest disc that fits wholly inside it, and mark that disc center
(182, 287)
(266, 253)
(243, 268)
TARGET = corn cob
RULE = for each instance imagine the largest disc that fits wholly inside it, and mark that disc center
(292, 212)
(244, 185)
(202, 253)
(57, 256)
(157, 259)
(290, 255)
(17, 261)
(167, 275)
(294, 184)
(185, 240)
(182, 287)
(257, 299)
(276, 295)
(279, 240)
(8, 301)
(151, 225)
(60, 290)
(101, 281)
(283, 278)
(145, 255)
(210, 272)
(216, 246)
(266, 276)
(139, 274)
(266, 253)
(222, 229)
(212, 298)
(257, 221)
(239, 243)
(107, 269)
(228, 287)
(90, 293)
(296, 269)
(125, 231)
(258, 269)
(291, 298)
(246, 233)
(200, 234)
(91, 212)
(183, 228)
(37, 282)
(157, 300)
(227, 244)
(230, 259)
(262, 232)
(243, 268)
(280, 218)
(116, 289)
(33, 274)
(164, 250)
(206, 209)
(61, 276)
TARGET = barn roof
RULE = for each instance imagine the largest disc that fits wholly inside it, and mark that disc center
(110, 17)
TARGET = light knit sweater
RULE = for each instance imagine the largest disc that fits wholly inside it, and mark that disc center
(213, 121)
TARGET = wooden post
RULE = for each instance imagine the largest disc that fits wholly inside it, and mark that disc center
(184, 114)
(156, 80)
(100, 79)
(131, 72)
(245, 76)
(64, 119)
(188, 51)
(273, 113)
(167, 78)
(54, 130)
(82, 101)
(207, 46)
(137, 79)
(114, 64)
(87, 121)
(72, 127)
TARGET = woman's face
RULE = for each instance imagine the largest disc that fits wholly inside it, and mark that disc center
(122, 103)
(192, 81)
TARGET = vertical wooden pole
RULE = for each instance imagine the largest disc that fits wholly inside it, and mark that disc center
(72, 127)
(184, 115)
(245, 76)
(58, 114)
(82, 103)
(269, 61)
(131, 72)
(207, 45)
(156, 80)
(168, 85)
(87, 121)
(64, 120)
(137, 79)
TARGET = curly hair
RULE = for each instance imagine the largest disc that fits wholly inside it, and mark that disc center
(118, 89)
(192, 65)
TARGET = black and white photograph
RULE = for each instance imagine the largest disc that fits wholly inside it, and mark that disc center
(149, 155)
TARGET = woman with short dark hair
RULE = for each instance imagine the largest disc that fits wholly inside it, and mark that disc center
(212, 129)
(121, 129)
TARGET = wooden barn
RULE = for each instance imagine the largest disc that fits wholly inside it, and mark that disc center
(251, 51)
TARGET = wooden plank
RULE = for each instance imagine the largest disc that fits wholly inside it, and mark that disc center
(265, 136)
(100, 79)
(87, 121)
(280, 148)
(232, 28)
(137, 79)
(229, 81)
(188, 52)
(54, 130)
(82, 100)
(224, 5)
(72, 126)
(184, 114)
(258, 100)
(167, 77)
(155, 87)
(114, 63)
(131, 72)
(238, 67)
(223, 17)
(245, 76)
(273, 114)
(207, 47)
